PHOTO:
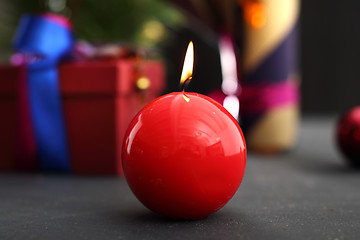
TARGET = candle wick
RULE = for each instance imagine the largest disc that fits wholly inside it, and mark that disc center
(184, 84)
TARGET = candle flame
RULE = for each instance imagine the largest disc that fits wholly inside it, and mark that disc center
(186, 74)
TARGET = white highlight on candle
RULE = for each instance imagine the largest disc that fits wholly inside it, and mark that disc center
(132, 134)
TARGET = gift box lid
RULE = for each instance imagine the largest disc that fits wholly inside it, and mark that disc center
(109, 76)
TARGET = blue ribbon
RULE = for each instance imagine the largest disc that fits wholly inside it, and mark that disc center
(46, 41)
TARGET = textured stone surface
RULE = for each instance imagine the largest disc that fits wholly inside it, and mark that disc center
(309, 193)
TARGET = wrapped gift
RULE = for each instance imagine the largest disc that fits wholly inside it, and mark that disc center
(69, 116)
(270, 83)
(100, 98)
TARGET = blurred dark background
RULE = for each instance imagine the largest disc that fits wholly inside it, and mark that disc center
(329, 42)
(330, 55)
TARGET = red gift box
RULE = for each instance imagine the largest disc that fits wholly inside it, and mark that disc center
(99, 98)
(9, 81)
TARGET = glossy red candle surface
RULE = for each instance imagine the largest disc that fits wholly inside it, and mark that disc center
(348, 136)
(184, 156)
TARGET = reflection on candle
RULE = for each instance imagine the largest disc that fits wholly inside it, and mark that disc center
(133, 133)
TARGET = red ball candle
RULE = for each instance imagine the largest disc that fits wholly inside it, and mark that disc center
(184, 155)
(348, 136)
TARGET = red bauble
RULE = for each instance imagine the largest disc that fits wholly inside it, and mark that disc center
(348, 135)
(184, 156)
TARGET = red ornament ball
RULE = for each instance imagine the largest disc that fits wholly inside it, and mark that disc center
(348, 136)
(184, 156)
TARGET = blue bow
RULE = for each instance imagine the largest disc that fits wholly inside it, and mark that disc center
(44, 40)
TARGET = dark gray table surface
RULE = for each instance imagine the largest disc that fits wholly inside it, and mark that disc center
(309, 193)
